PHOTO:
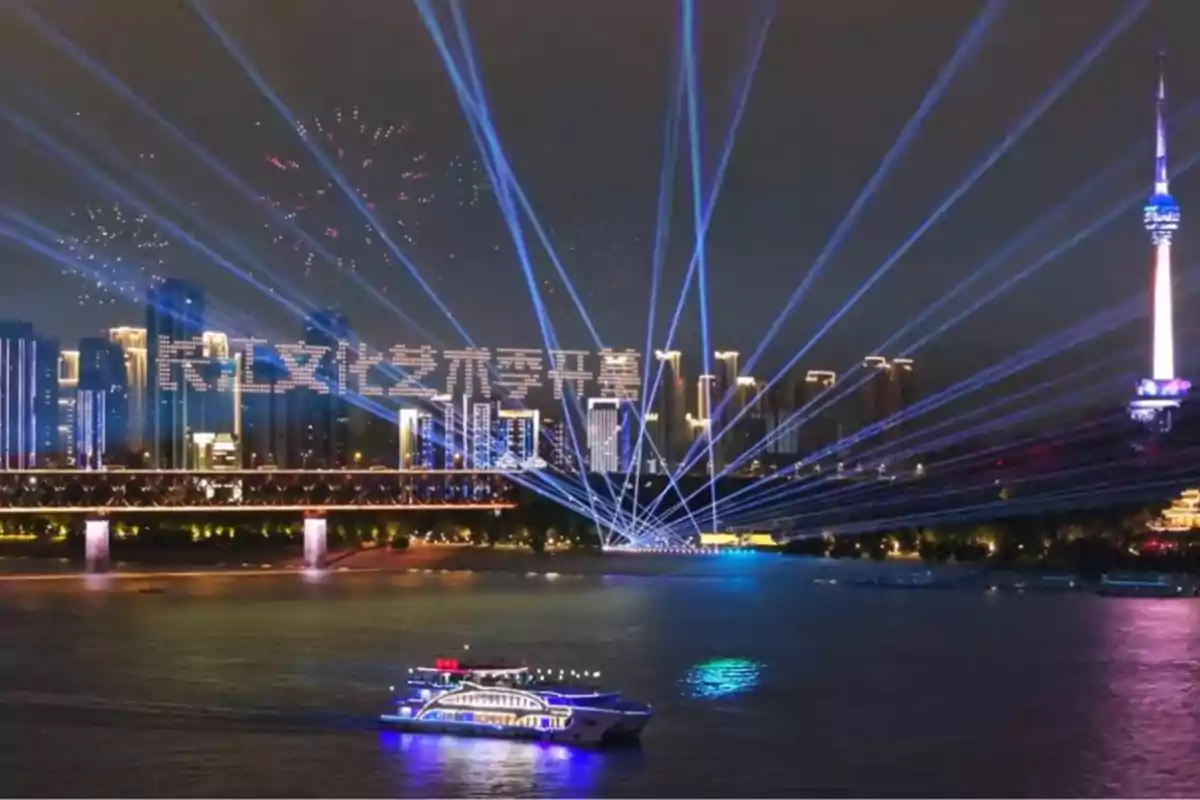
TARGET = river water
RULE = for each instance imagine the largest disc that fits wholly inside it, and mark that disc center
(763, 684)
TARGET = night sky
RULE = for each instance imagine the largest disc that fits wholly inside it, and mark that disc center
(579, 92)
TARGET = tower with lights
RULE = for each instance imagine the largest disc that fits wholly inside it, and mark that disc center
(1160, 395)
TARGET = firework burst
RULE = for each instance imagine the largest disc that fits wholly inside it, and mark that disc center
(120, 252)
(398, 180)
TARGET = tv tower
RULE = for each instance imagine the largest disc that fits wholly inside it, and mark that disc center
(1161, 393)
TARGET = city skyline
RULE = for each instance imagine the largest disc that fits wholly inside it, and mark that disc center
(230, 385)
(739, 306)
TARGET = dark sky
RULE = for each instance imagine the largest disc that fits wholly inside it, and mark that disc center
(578, 93)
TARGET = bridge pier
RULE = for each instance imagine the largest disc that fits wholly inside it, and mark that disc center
(96, 544)
(316, 540)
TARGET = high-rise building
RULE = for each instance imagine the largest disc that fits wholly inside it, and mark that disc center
(706, 397)
(417, 445)
(651, 460)
(18, 396)
(725, 374)
(102, 404)
(1158, 396)
(671, 407)
(817, 421)
(724, 399)
(604, 434)
(324, 417)
(518, 432)
(878, 391)
(904, 376)
(174, 320)
(46, 427)
(744, 434)
(481, 434)
(133, 345)
(68, 387)
(449, 427)
(553, 446)
(264, 422)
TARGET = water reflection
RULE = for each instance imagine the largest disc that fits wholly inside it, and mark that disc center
(721, 677)
(443, 766)
(1149, 727)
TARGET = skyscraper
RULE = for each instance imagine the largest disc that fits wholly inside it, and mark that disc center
(133, 345)
(1160, 394)
(102, 403)
(604, 434)
(878, 391)
(320, 421)
(174, 318)
(817, 420)
(68, 389)
(517, 436)
(671, 407)
(416, 437)
(46, 403)
(18, 396)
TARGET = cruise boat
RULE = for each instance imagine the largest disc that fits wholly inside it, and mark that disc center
(513, 702)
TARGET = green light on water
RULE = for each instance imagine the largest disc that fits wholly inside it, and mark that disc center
(721, 677)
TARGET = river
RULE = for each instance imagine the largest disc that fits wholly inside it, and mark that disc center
(763, 684)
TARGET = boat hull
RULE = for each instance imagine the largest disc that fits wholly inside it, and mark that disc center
(588, 727)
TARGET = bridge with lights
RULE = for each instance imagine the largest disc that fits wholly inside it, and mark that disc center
(102, 494)
(108, 492)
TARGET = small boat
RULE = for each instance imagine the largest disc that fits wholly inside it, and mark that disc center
(500, 700)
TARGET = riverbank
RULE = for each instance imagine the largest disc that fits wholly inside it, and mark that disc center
(892, 575)
(53, 562)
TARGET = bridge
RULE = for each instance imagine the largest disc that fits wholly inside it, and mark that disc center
(101, 494)
(107, 492)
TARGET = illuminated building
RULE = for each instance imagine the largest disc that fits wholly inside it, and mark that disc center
(518, 431)
(18, 396)
(450, 422)
(671, 407)
(604, 434)
(1158, 396)
(781, 431)
(214, 451)
(553, 447)
(264, 423)
(726, 373)
(68, 385)
(174, 324)
(878, 391)
(481, 435)
(102, 403)
(133, 345)
(652, 463)
(904, 380)
(417, 440)
(725, 368)
(46, 402)
(1182, 516)
(748, 430)
(819, 427)
(321, 418)
(698, 430)
(705, 396)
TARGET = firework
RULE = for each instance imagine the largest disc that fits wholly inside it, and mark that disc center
(120, 252)
(398, 180)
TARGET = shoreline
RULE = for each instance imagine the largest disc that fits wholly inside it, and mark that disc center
(897, 575)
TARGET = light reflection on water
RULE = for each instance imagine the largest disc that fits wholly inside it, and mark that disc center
(868, 693)
(721, 677)
(437, 765)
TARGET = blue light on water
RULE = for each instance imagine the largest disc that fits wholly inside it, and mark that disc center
(721, 677)
(441, 765)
